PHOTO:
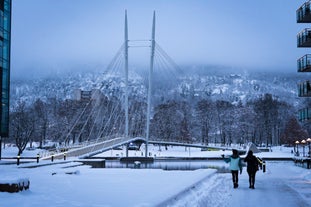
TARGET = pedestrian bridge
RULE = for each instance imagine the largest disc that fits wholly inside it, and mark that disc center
(91, 149)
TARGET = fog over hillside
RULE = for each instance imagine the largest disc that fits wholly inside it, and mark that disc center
(214, 82)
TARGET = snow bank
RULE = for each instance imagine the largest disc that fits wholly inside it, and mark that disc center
(54, 186)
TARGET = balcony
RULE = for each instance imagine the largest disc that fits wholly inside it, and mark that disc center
(304, 63)
(304, 114)
(303, 14)
(304, 89)
(304, 38)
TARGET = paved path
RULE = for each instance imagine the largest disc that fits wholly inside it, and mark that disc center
(282, 185)
(270, 191)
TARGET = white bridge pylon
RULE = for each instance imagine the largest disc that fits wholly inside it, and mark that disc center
(164, 61)
(152, 46)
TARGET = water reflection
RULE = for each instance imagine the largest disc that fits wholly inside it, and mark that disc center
(172, 165)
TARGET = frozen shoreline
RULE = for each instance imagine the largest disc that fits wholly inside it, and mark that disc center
(58, 185)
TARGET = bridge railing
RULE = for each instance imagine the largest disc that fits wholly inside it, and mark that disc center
(65, 148)
(86, 147)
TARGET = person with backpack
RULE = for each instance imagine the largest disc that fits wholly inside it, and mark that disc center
(252, 168)
(235, 165)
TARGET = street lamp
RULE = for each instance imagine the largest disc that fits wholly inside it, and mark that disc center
(303, 142)
(309, 143)
(297, 144)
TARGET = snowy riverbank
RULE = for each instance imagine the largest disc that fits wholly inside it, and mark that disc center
(283, 184)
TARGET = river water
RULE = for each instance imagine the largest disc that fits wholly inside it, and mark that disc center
(220, 165)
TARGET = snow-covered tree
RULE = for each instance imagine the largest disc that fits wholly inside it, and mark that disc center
(22, 126)
(41, 121)
(204, 115)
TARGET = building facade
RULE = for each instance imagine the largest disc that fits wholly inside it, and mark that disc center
(5, 45)
(82, 95)
(303, 15)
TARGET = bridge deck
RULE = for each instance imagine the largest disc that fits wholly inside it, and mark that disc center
(96, 148)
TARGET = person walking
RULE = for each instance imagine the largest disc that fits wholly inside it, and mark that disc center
(235, 165)
(252, 168)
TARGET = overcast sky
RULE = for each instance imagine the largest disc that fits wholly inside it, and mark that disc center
(56, 34)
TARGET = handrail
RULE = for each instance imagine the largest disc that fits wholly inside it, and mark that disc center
(304, 63)
(304, 36)
(303, 11)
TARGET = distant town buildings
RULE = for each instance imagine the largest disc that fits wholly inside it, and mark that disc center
(5, 43)
(81, 95)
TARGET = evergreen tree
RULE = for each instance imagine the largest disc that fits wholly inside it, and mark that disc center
(293, 132)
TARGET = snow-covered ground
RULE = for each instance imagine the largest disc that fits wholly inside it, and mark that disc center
(67, 185)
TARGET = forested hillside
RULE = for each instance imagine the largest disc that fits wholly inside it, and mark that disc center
(202, 104)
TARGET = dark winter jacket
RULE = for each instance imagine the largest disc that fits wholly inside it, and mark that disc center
(252, 163)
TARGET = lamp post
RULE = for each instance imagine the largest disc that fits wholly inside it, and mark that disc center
(303, 142)
(309, 143)
(297, 144)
